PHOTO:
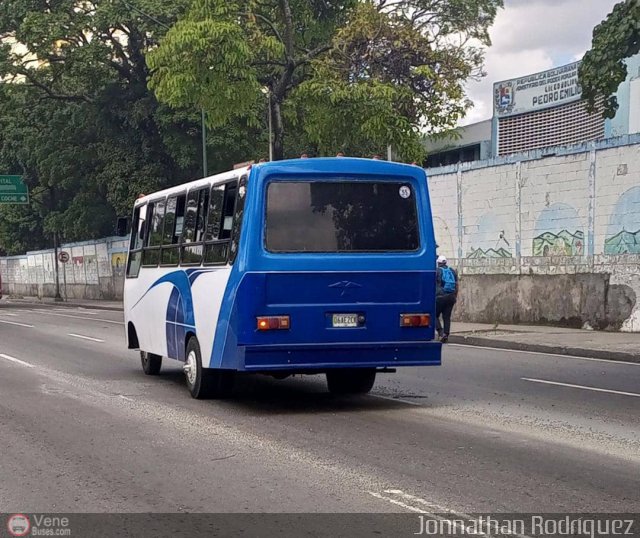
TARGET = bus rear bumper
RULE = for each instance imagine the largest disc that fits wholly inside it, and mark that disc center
(321, 357)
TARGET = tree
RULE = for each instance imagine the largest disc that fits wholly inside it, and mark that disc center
(603, 68)
(393, 73)
(223, 53)
(389, 69)
(78, 120)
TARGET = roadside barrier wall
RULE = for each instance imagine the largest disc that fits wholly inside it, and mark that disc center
(550, 236)
(95, 270)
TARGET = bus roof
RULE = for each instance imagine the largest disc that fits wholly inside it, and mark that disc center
(317, 165)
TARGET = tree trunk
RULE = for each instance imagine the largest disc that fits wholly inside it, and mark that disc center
(278, 131)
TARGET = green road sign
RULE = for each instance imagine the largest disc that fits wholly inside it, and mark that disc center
(13, 190)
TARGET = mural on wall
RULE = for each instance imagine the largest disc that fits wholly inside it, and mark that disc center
(118, 261)
(623, 236)
(490, 253)
(489, 238)
(558, 232)
(564, 243)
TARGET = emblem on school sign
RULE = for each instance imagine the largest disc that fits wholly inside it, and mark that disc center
(504, 97)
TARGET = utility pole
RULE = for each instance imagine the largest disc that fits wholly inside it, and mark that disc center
(205, 172)
(58, 297)
(267, 91)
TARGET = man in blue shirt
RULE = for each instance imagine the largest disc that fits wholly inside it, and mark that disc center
(446, 297)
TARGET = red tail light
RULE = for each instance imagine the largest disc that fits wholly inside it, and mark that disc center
(271, 323)
(415, 320)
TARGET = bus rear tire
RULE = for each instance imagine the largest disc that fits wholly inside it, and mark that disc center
(204, 383)
(151, 363)
(351, 381)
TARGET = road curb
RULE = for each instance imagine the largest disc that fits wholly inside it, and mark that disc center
(69, 305)
(545, 348)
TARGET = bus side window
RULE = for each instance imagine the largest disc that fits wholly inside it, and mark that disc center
(195, 218)
(220, 222)
(203, 206)
(153, 240)
(173, 226)
(237, 219)
(228, 208)
(191, 215)
(212, 232)
(137, 239)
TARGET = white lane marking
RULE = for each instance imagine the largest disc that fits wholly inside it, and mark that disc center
(451, 522)
(413, 498)
(506, 350)
(398, 503)
(583, 387)
(15, 323)
(467, 523)
(17, 361)
(79, 311)
(85, 337)
(396, 400)
(77, 317)
(9, 314)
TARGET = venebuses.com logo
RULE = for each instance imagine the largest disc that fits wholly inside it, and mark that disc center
(38, 525)
(18, 525)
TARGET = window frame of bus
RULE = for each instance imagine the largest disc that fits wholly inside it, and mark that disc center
(345, 179)
(173, 246)
(184, 245)
(135, 236)
(238, 216)
(155, 248)
(210, 244)
(231, 235)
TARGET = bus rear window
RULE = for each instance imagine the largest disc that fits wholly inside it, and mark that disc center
(341, 216)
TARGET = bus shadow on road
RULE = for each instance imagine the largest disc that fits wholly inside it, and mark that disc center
(263, 395)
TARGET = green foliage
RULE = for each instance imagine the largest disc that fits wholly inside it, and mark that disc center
(603, 68)
(384, 82)
(77, 119)
(342, 75)
(222, 54)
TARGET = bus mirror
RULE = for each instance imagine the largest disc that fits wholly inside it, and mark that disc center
(123, 226)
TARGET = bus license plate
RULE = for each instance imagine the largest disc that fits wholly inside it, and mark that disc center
(345, 320)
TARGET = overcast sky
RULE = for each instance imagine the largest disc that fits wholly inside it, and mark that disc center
(534, 35)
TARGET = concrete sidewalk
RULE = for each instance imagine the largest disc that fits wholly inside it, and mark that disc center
(558, 340)
(76, 303)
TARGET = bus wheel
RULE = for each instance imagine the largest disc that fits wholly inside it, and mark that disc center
(202, 382)
(151, 363)
(351, 381)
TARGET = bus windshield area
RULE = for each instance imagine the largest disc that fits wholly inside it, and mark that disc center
(341, 216)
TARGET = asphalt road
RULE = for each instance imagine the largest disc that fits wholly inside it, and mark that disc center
(82, 429)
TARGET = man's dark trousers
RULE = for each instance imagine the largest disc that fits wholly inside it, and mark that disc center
(444, 307)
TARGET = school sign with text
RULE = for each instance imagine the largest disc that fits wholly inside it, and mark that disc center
(538, 91)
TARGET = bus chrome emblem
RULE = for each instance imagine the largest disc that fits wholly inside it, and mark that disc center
(344, 286)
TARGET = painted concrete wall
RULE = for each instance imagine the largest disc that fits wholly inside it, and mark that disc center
(510, 224)
(95, 270)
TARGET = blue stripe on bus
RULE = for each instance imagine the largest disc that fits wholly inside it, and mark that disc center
(180, 315)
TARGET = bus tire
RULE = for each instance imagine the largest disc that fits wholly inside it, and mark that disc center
(151, 363)
(351, 381)
(204, 383)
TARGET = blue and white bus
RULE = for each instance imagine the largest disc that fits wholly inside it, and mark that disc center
(305, 266)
